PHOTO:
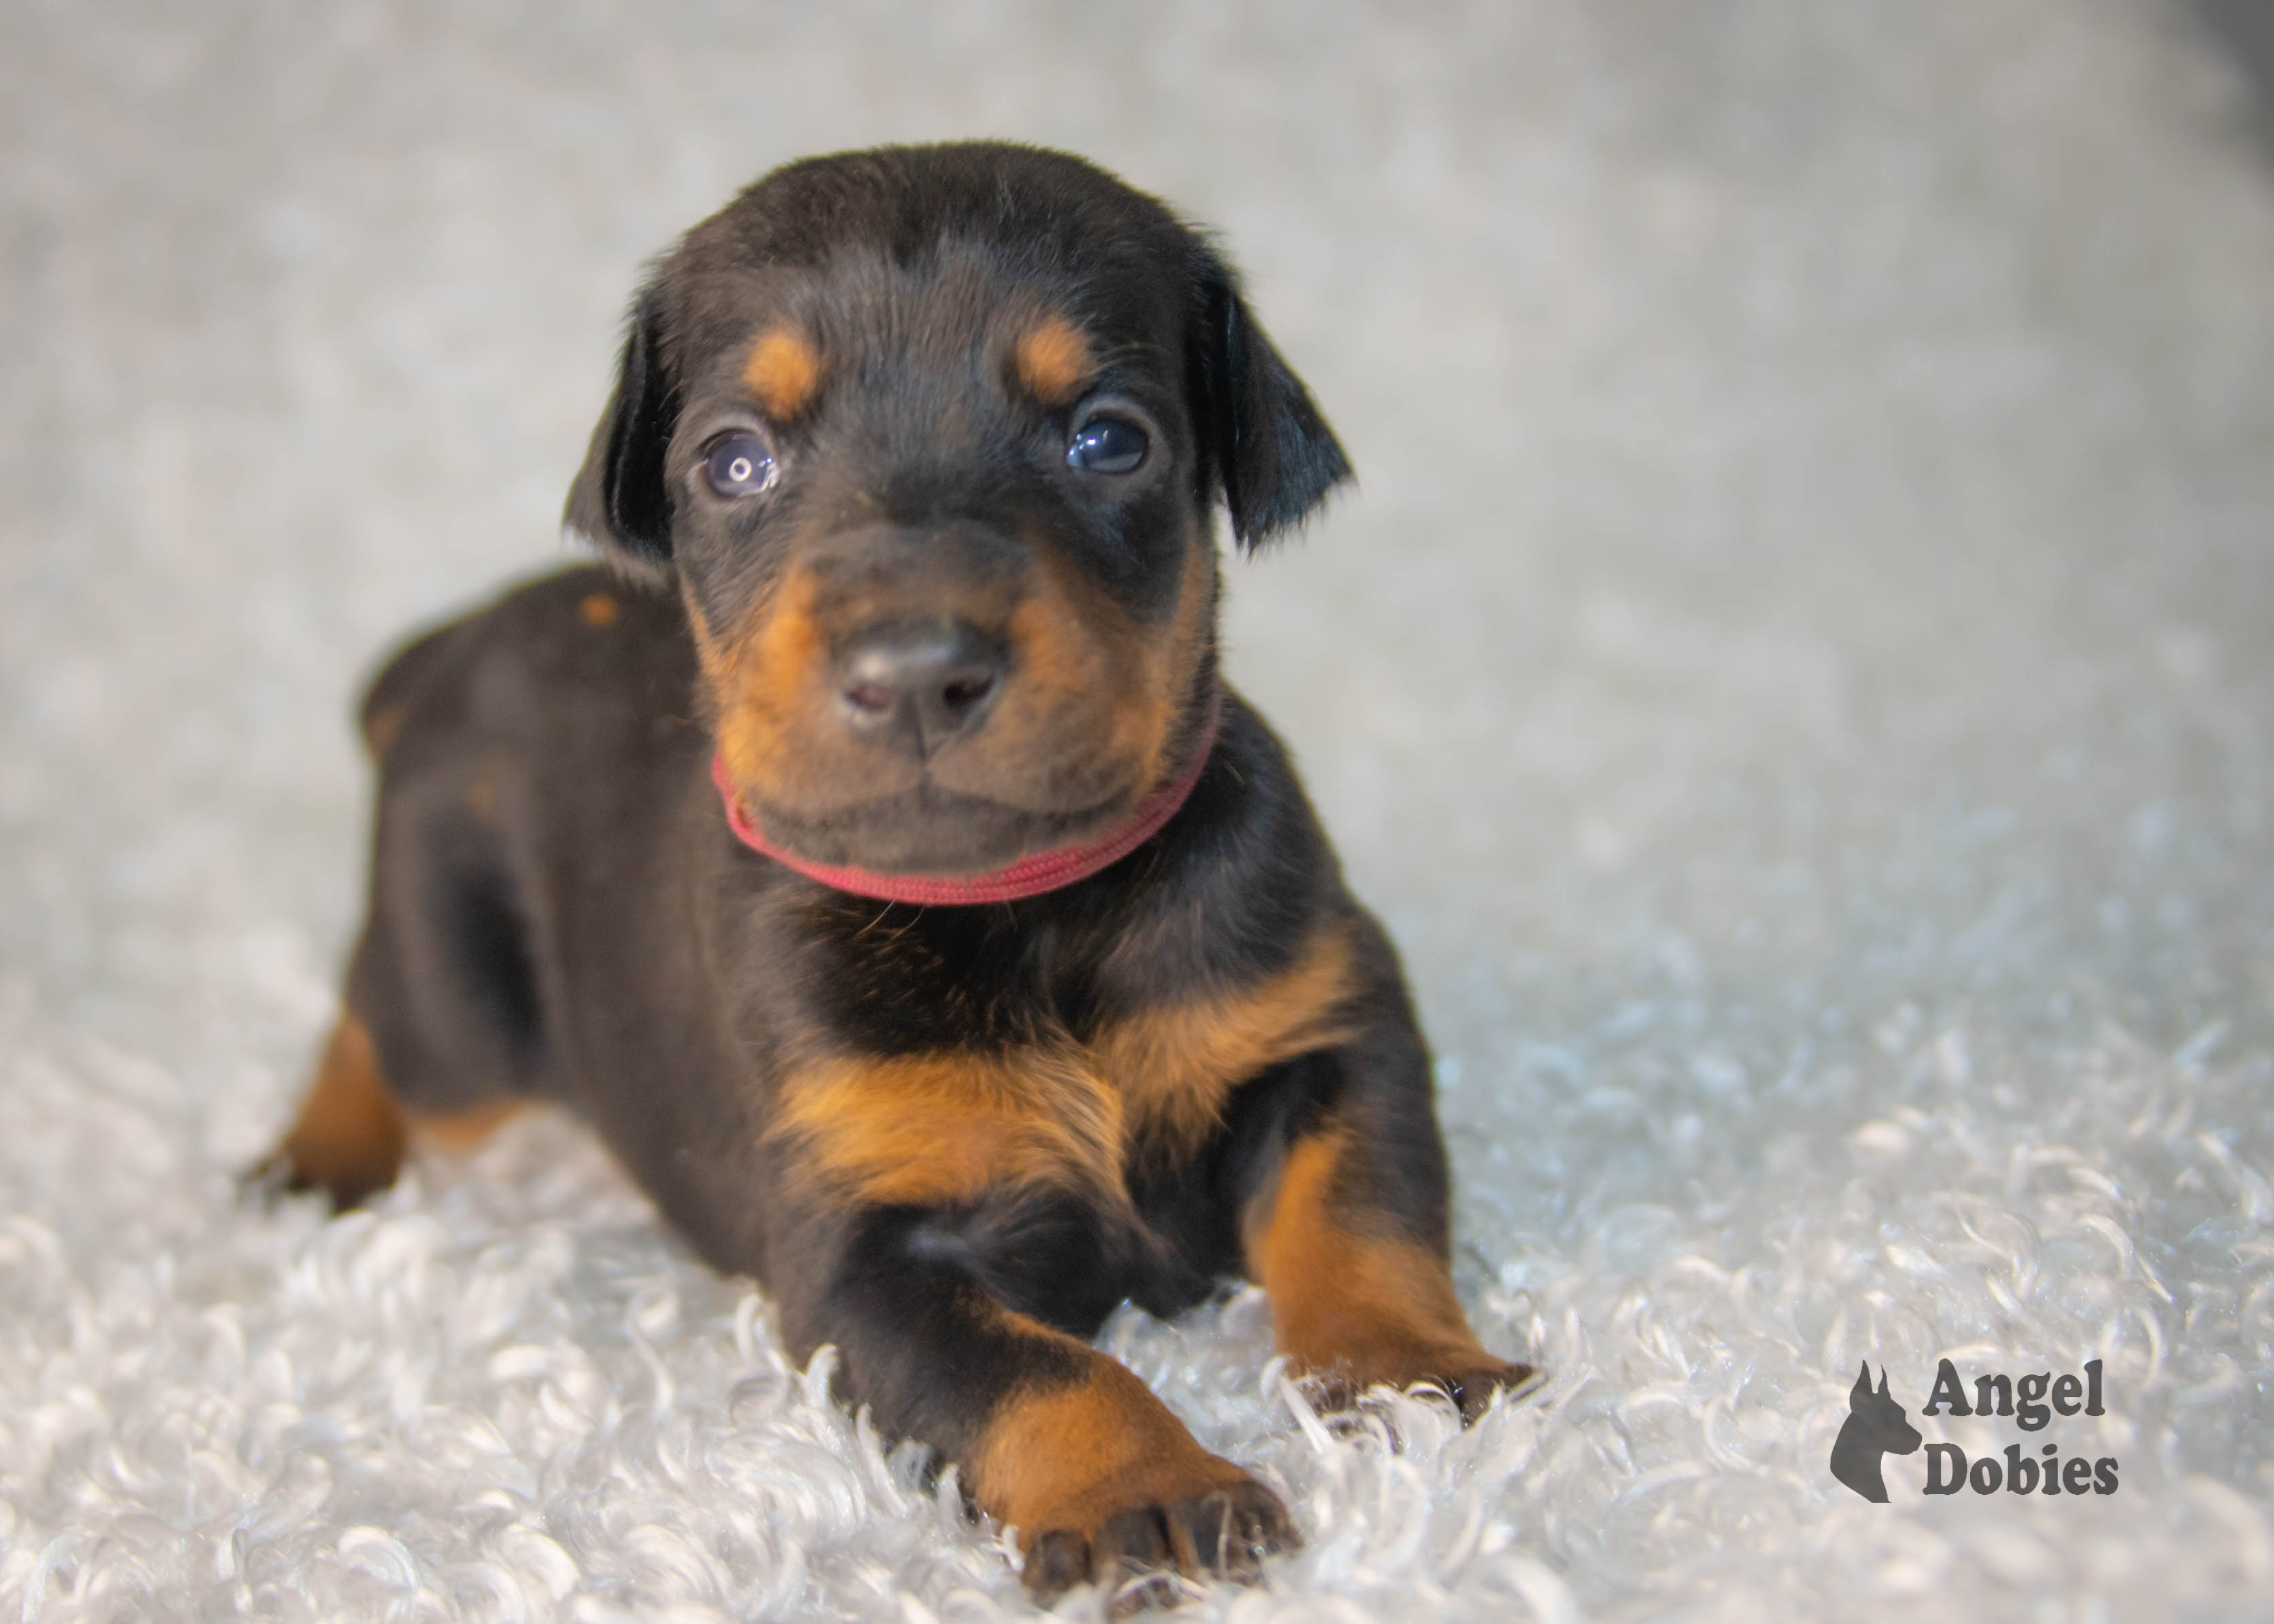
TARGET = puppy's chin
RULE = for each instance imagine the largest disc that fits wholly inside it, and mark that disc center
(929, 831)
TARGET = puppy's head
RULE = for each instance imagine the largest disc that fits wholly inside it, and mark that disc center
(931, 439)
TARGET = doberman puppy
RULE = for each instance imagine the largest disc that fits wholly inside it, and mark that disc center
(873, 855)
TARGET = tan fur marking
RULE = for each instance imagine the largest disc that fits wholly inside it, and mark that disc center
(760, 682)
(1365, 1309)
(708, 652)
(947, 1127)
(348, 1136)
(1151, 707)
(598, 610)
(352, 1132)
(783, 372)
(1142, 677)
(462, 1131)
(1053, 360)
(1070, 1457)
(1060, 663)
(1175, 1066)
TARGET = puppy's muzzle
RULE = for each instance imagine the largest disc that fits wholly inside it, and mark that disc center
(911, 645)
(915, 689)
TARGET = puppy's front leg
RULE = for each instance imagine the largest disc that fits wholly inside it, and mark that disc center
(1346, 1227)
(1054, 1437)
(1357, 1295)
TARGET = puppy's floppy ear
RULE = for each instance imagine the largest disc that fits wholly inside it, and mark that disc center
(1264, 444)
(620, 499)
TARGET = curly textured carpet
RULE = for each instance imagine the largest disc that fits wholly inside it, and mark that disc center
(1797, 679)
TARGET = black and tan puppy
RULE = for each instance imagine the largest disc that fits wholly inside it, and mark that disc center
(874, 857)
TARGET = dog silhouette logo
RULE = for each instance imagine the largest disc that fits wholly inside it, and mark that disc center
(1876, 1426)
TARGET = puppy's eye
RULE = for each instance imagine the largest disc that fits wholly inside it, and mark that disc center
(738, 465)
(1108, 446)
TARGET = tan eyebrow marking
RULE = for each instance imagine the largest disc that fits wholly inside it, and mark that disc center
(1053, 360)
(783, 372)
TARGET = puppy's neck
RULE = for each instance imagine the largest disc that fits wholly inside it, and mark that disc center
(1037, 874)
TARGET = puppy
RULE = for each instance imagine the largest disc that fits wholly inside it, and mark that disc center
(874, 856)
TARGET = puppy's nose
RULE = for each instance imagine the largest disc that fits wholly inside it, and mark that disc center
(918, 688)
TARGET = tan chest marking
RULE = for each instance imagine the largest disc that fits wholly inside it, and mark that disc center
(931, 1128)
(948, 1127)
(1174, 1067)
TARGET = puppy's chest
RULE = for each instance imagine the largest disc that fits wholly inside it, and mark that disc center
(1035, 1090)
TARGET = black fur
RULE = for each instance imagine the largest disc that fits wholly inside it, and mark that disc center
(1271, 457)
(621, 497)
(1267, 451)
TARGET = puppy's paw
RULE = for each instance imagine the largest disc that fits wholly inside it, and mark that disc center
(1465, 1372)
(349, 1136)
(1221, 1528)
(347, 1186)
(1472, 1389)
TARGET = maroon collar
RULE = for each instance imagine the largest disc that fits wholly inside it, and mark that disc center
(1030, 876)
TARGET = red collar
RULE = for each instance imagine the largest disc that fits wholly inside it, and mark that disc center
(1030, 876)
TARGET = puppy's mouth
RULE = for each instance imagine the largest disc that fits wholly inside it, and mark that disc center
(925, 842)
(927, 830)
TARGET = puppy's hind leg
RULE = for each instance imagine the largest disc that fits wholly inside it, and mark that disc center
(353, 1132)
(349, 1138)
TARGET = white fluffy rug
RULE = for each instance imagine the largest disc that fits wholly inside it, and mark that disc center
(1798, 680)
